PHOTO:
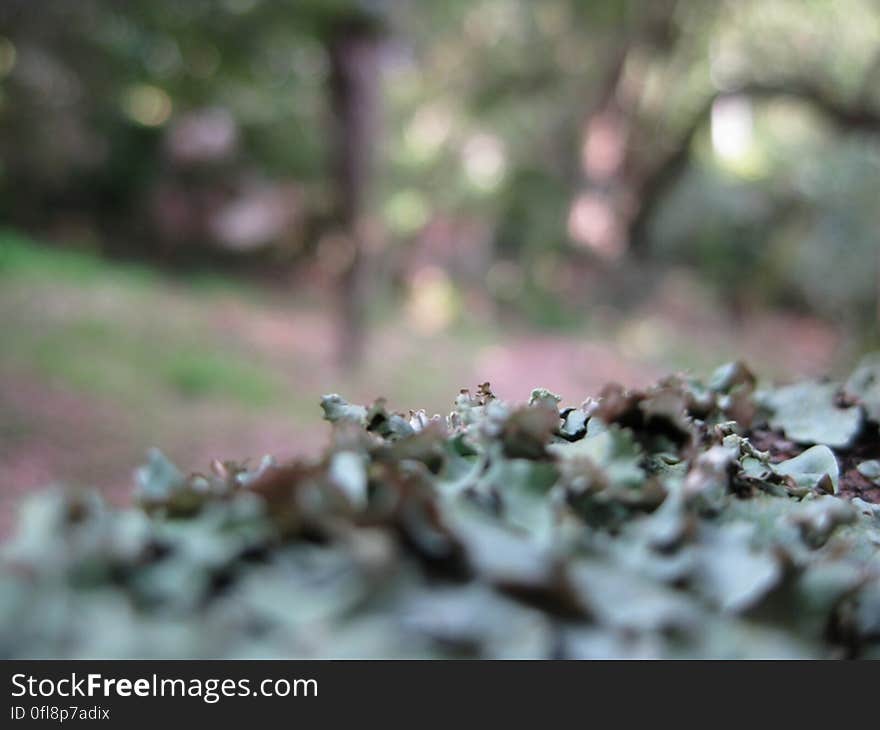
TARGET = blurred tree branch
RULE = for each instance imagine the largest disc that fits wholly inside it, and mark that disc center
(651, 188)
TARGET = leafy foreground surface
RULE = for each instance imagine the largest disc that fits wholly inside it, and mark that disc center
(691, 519)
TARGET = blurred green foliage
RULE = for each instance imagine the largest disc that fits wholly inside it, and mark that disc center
(488, 108)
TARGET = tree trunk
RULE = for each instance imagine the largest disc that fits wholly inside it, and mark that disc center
(355, 98)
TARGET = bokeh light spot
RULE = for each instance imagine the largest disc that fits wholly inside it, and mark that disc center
(147, 105)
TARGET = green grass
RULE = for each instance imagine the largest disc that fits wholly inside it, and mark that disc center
(119, 331)
(211, 374)
(96, 358)
(21, 258)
